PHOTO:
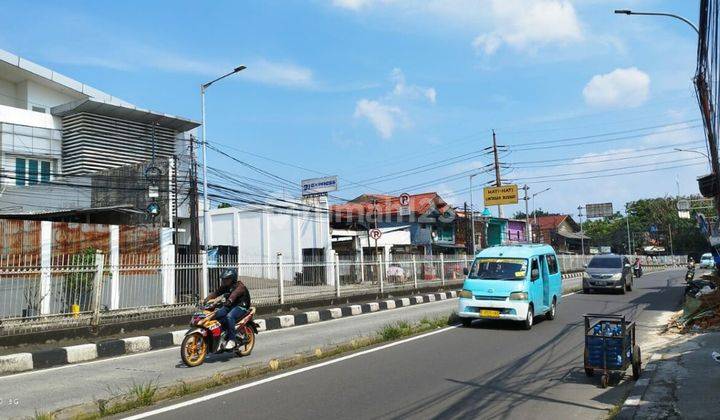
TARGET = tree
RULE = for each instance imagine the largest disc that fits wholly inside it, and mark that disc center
(652, 221)
(223, 206)
(539, 212)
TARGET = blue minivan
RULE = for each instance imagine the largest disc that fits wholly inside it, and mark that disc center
(514, 282)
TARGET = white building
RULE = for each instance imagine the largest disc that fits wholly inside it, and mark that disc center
(290, 228)
(56, 134)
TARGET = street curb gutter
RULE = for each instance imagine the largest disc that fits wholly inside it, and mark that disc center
(633, 401)
(21, 362)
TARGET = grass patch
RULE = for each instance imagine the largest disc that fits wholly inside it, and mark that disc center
(41, 415)
(145, 394)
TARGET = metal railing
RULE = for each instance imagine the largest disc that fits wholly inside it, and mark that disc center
(88, 290)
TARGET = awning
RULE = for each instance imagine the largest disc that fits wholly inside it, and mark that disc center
(71, 213)
(129, 113)
(573, 235)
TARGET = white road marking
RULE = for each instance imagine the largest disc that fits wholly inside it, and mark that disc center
(283, 375)
(175, 348)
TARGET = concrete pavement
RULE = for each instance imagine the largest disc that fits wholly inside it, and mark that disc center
(492, 370)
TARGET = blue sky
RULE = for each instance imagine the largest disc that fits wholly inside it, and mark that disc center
(370, 88)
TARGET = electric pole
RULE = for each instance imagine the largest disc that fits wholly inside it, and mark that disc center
(497, 169)
(582, 235)
(193, 193)
(527, 215)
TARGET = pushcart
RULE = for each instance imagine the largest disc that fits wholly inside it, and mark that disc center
(610, 346)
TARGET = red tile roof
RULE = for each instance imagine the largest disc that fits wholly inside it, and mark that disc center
(550, 222)
(386, 204)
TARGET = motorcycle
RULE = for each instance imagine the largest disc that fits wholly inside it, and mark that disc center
(690, 274)
(637, 272)
(206, 335)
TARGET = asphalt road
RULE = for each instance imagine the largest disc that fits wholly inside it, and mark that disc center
(491, 370)
(50, 389)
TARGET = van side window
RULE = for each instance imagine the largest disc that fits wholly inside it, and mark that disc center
(534, 267)
(552, 264)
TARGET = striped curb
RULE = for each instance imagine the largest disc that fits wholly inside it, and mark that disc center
(21, 362)
(634, 400)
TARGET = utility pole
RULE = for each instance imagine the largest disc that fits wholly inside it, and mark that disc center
(627, 224)
(582, 235)
(377, 255)
(670, 235)
(497, 169)
(193, 193)
(527, 215)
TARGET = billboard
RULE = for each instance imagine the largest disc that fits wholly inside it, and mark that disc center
(598, 210)
(316, 186)
(505, 194)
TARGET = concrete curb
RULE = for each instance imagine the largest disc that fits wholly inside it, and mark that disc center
(634, 400)
(21, 362)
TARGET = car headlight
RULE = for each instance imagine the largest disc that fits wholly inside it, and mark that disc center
(464, 293)
(518, 296)
(617, 276)
(587, 276)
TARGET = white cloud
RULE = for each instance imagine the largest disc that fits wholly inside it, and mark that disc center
(386, 113)
(402, 89)
(383, 117)
(625, 88)
(525, 25)
(351, 4)
(130, 57)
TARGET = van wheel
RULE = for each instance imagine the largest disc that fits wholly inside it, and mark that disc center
(550, 315)
(467, 322)
(529, 319)
(622, 289)
(628, 286)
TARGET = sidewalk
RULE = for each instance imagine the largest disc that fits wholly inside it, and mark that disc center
(680, 380)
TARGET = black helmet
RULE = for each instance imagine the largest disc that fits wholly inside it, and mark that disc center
(228, 273)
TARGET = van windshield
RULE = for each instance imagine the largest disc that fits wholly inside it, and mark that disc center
(498, 269)
(605, 263)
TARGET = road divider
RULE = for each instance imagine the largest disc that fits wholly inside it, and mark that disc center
(21, 362)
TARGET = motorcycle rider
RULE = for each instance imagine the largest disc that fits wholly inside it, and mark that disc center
(236, 305)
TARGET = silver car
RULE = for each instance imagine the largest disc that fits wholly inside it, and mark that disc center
(608, 272)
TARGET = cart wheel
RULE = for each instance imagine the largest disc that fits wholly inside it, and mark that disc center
(589, 372)
(637, 363)
(604, 379)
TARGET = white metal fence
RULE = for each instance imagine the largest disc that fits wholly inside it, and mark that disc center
(89, 290)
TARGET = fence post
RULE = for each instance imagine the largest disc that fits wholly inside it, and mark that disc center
(414, 266)
(281, 283)
(362, 266)
(45, 266)
(337, 275)
(204, 281)
(381, 274)
(97, 287)
(442, 269)
(114, 263)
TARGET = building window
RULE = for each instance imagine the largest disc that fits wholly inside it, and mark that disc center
(31, 171)
(38, 109)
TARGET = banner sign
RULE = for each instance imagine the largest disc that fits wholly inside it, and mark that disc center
(594, 211)
(506, 194)
(316, 186)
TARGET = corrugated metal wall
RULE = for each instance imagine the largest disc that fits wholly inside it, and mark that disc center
(19, 237)
(22, 237)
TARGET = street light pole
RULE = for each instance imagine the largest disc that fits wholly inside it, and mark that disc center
(630, 12)
(533, 204)
(206, 202)
(472, 216)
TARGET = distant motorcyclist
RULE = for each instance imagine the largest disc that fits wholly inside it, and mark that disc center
(236, 304)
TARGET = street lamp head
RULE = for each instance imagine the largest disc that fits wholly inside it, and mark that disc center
(239, 69)
(623, 12)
